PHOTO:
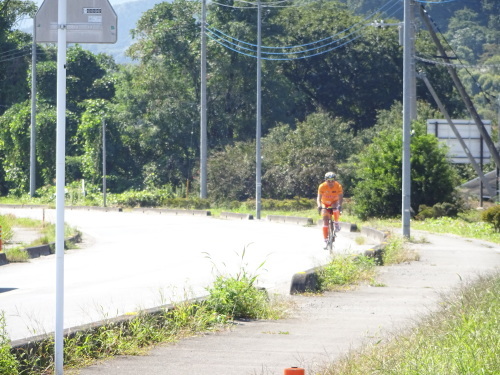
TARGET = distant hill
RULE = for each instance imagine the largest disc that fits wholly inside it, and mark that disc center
(128, 14)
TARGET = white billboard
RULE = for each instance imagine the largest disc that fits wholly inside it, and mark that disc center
(88, 21)
(470, 135)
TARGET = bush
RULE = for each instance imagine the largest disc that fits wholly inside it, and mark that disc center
(379, 174)
(295, 204)
(438, 210)
(492, 216)
(237, 297)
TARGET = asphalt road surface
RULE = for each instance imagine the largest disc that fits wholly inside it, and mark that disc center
(130, 261)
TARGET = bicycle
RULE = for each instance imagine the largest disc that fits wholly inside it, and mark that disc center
(332, 233)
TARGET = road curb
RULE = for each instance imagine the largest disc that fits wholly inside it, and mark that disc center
(172, 211)
(94, 208)
(235, 215)
(42, 250)
(308, 281)
(290, 219)
(32, 343)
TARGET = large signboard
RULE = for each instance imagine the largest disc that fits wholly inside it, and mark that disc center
(88, 21)
(469, 133)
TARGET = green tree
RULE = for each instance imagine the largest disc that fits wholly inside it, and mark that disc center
(231, 173)
(15, 52)
(15, 145)
(354, 80)
(295, 161)
(379, 178)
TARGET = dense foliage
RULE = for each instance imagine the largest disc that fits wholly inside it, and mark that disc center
(378, 190)
(317, 112)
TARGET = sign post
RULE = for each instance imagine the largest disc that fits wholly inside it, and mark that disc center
(68, 21)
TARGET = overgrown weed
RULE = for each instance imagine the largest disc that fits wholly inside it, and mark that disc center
(397, 250)
(345, 271)
(238, 296)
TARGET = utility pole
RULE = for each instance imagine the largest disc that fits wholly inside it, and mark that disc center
(406, 167)
(33, 115)
(203, 105)
(104, 162)
(413, 71)
(461, 90)
(258, 160)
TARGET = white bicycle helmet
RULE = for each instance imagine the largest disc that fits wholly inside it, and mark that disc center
(330, 176)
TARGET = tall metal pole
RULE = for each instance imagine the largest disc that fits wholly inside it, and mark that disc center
(60, 181)
(33, 115)
(203, 105)
(104, 162)
(413, 71)
(258, 160)
(406, 167)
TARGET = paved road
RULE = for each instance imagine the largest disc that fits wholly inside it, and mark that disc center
(133, 260)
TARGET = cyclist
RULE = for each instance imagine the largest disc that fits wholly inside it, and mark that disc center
(330, 197)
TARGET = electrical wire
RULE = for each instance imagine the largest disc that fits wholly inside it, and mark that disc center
(20, 54)
(237, 45)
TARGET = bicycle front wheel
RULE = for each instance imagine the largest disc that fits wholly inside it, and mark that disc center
(331, 236)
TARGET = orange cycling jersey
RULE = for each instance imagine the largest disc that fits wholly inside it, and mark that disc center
(330, 195)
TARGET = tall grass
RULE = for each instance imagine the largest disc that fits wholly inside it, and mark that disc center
(461, 338)
(344, 271)
(124, 337)
(8, 362)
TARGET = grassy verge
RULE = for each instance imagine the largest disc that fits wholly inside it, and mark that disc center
(460, 338)
(467, 224)
(46, 231)
(345, 271)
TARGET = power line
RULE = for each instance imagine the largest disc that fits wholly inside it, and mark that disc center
(238, 45)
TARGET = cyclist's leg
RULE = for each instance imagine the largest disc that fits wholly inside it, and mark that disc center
(336, 217)
(326, 218)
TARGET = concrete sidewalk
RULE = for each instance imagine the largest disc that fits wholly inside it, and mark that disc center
(323, 328)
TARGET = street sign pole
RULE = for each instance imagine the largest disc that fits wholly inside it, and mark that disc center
(60, 178)
(83, 21)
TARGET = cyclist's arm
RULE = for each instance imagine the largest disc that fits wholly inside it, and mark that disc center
(318, 200)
